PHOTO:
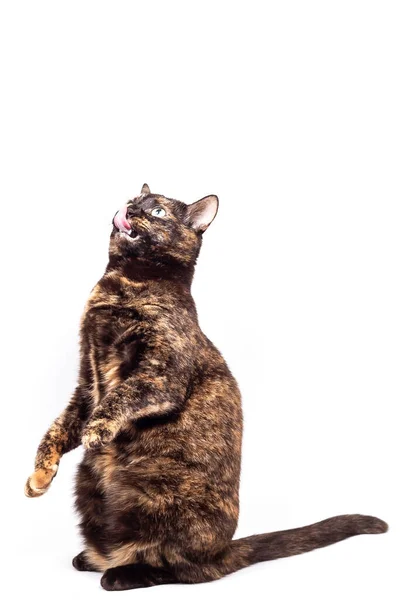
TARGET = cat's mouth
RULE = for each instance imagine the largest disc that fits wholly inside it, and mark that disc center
(121, 223)
(132, 234)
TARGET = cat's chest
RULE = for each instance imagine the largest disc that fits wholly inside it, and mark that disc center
(107, 327)
(111, 344)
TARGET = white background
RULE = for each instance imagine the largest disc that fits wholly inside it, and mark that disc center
(289, 111)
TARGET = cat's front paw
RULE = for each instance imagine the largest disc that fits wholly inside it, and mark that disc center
(39, 482)
(98, 433)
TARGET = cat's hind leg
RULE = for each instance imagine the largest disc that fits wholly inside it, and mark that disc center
(90, 504)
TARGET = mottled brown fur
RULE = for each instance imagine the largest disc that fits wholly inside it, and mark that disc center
(159, 414)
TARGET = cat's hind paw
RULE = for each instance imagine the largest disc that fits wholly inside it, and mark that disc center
(81, 563)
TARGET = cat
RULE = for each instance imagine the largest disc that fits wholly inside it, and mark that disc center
(159, 415)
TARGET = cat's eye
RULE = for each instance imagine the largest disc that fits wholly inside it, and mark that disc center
(158, 212)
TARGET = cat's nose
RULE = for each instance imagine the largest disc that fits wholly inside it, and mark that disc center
(134, 211)
(131, 211)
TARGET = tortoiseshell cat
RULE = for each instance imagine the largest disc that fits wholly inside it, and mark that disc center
(159, 415)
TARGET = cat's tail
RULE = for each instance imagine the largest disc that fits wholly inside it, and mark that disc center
(269, 546)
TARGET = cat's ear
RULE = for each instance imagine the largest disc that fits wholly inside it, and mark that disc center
(200, 214)
(145, 189)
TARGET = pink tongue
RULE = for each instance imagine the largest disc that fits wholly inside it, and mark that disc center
(120, 221)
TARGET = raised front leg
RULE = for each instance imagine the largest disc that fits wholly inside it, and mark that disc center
(63, 435)
(157, 386)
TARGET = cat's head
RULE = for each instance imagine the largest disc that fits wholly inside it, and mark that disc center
(159, 229)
